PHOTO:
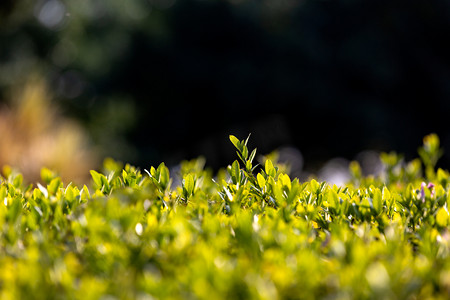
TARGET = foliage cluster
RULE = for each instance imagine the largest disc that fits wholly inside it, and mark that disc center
(249, 232)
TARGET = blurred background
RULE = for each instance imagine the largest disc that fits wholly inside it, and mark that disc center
(145, 81)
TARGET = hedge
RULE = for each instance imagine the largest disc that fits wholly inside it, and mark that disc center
(248, 232)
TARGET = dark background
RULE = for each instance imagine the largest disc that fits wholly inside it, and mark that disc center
(166, 80)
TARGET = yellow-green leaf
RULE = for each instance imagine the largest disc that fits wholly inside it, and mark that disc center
(333, 199)
(234, 140)
(442, 217)
(285, 180)
(189, 184)
(268, 167)
(261, 180)
(377, 201)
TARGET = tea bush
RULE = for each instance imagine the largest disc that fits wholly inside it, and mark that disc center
(249, 232)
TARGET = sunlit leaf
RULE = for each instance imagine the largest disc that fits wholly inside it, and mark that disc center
(442, 217)
(188, 184)
(235, 142)
(261, 180)
(377, 201)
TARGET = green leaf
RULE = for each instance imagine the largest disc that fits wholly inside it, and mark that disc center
(84, 193)
(43, 190)
(229, 195)
(294, 188)
(18, 179)
(152, 172)
(236, 142)
(314, 186)
(276, 188)
(54, 185)
(105, 181)
(15, 209)
(386, 195)
(69, 193)
(261, 180)
(442, 217)
(97, 177)
(248, 166)
(252, 155)
(409, 191)
(246, 140)
(285, 180)
(244, 152)
(164, 176)
(268, 167)
(333, 199)
(188, 184)
(47, 175)
(235, 172)
(377, 201)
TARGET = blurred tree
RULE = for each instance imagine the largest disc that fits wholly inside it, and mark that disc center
(34, 135)
(337, 76)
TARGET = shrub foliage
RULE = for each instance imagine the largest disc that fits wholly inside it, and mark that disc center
(250, 231)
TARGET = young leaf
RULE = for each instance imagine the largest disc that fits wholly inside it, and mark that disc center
(246, 141)
(69, 193)
(386, 195)
(84, 193)
(244, 152)
(285, 180)
(188, 185)
(164, 176)
(235, 172)
(377, 201)
(229, 195)
(314, 186)
(43, 190)
(333, 199)
(270, 170)
(294, 188)
(152, 172)
(52, 188)
(252, 155)
(235, 142)
(261, 180)
(97, 178)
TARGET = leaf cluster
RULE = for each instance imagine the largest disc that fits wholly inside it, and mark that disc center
(245, 233)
